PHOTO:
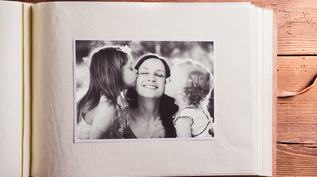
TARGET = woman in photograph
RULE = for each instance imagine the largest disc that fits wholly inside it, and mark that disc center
(150, 111)
(190, 85)
(101, 111)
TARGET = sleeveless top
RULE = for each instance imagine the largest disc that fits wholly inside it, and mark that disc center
(201, 121)
(84, 128)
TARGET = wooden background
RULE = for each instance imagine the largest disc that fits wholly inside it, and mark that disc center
(296, 122)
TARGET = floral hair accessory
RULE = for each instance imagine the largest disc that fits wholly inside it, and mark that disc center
(126, 49)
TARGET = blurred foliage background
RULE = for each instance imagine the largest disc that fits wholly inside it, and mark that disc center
(201, 51)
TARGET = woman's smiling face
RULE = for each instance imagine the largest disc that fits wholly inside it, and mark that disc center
(151, 78)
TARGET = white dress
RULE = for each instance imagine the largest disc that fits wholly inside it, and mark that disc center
(201, 121)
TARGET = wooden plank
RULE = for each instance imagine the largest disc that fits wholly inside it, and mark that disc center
(297, 34)
(295, 73)
(304, 133)
(296, 160)
(296, 118)
(297, 121)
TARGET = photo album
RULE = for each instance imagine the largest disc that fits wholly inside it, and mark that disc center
(137, 89)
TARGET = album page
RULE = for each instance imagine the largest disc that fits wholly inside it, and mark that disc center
(11, 88)
(56, 26)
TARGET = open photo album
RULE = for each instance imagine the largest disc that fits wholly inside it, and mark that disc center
(136, 89)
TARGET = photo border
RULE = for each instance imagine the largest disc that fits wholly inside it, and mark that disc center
(140, 139)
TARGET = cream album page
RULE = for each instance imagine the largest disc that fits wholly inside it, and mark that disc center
(57, 25)
(15, 88)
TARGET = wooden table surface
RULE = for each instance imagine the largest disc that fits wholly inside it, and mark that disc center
(296, 121)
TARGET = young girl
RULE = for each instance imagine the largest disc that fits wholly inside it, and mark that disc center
(100, 113)
(190, 84)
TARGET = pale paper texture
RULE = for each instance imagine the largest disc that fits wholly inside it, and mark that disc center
(264, 88)
(11, 88)
(268, 87)
(55, 26)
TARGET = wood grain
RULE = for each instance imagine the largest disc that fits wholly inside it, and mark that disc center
(297, 121)
(296, 117)
(296, 73)
(296, 160)
(297, 27)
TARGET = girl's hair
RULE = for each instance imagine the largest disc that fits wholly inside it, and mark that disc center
(167, 108)
(199, 81)
(105, 77)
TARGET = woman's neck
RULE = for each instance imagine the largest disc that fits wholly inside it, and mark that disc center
(148, 109)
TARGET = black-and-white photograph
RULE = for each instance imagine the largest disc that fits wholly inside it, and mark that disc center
(143, 89)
